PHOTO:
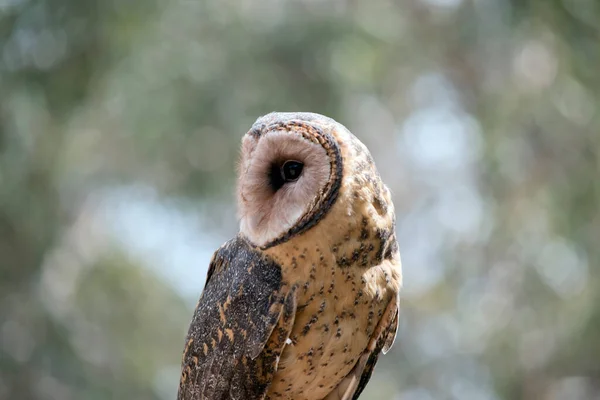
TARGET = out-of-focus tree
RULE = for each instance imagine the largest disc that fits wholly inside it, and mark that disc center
(119, 127)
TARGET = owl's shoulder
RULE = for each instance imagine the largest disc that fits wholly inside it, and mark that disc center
(237, 262)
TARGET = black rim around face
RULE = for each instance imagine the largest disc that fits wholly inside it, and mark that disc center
(330, 192)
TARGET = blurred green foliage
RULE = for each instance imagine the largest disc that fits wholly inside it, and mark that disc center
(119, 130)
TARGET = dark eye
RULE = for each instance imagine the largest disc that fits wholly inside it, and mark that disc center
(291, 170)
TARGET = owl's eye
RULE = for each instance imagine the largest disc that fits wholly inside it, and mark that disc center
(291, 170)
(280, 174)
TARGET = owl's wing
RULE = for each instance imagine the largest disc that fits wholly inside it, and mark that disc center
(381, 341)
(239, 328)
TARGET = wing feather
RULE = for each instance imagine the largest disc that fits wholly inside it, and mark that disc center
(390, 337)
(354, 383)
(239, 327)
(384, 344)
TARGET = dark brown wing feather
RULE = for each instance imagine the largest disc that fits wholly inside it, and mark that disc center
(239, 327)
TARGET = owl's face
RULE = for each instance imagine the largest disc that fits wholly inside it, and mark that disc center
(285, 169)
(296, 170)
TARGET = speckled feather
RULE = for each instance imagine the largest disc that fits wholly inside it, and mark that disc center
(244, 311)
(303, 301)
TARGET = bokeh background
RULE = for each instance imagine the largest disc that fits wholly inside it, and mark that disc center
(120, 123)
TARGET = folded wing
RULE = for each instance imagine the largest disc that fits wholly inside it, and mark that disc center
(239, 328)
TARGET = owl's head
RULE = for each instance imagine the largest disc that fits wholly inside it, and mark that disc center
(294, 167)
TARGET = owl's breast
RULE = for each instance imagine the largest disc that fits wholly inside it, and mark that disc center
(339, 307)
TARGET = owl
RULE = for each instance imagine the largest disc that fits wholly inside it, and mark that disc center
(300, 304)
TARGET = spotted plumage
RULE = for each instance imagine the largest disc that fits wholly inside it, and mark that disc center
(302, 301)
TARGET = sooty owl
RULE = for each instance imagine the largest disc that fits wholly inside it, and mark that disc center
(302, 301)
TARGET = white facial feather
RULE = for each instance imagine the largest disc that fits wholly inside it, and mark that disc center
(266, 214)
